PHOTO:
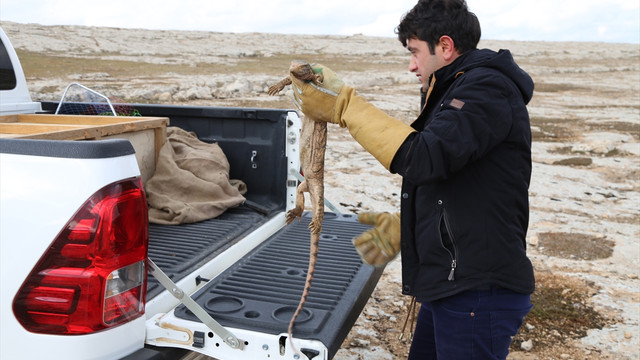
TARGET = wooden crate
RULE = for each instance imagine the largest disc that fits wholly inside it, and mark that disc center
(146, 134)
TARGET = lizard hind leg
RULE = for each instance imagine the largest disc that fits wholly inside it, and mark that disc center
(297, 211)
(316, 193)
(315, 226)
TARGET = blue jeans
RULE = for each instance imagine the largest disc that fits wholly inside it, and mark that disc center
(474, 324)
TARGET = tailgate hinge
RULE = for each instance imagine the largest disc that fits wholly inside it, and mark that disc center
(193, 306)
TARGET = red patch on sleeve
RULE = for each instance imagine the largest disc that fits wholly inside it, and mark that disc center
(458, 104)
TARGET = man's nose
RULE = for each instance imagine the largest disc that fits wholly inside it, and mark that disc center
(413, 67)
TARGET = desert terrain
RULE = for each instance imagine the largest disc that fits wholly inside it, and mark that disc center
(584, 231)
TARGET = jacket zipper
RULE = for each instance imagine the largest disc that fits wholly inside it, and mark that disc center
(453, 270)
(454, 256)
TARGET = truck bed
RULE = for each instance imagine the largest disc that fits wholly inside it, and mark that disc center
(261, 291)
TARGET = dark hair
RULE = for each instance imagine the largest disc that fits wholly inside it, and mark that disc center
(431, 19)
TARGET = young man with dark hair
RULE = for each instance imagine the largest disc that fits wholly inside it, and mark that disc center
(466, 167)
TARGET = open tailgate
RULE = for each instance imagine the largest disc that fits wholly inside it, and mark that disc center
(260, 292)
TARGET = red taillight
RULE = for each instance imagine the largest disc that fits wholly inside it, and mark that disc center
(94, 274)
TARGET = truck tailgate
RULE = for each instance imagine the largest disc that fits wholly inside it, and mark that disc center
(261, 291)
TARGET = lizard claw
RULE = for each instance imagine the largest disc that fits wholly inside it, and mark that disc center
(292, 214)
(274, 89)
(315, 226)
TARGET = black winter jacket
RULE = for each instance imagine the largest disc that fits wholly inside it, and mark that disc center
(466, 173)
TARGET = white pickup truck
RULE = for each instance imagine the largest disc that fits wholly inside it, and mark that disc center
(77, 250)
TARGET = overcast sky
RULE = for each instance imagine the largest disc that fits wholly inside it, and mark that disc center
(548, 20)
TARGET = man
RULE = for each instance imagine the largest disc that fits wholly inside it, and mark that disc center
(466, 167)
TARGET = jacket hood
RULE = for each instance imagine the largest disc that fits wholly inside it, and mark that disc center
(501, 61)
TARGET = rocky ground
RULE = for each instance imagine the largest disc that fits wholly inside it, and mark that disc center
(585, 193)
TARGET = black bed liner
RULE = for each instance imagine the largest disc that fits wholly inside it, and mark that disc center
(181, 249)
(262, 291)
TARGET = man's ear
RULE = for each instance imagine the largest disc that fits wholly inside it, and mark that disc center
(448, 47)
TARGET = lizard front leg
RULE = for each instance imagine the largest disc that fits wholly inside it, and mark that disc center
(274, 89)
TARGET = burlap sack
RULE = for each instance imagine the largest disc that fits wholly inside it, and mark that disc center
(191, 181)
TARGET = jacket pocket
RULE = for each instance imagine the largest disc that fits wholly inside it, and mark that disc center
(448, 242)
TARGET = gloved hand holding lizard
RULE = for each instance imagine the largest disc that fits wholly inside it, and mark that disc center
(334, 102)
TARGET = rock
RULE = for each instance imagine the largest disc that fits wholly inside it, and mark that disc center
(164, 97)
(146, 94)
(199, 92)
(602, 143)
(181, 96)
(360, 343)
(527, 345)
(239, 86)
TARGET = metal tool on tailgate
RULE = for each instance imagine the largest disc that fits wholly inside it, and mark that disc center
(198, 311)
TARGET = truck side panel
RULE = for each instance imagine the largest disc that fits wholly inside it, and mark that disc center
(43, 187)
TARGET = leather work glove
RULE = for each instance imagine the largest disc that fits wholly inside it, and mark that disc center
(319, 101)
(333, 101)
(381, 244)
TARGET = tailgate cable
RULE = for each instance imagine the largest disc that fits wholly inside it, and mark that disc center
(226, 336)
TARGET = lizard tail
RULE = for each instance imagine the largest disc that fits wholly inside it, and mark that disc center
(303, 299)
(315, 239)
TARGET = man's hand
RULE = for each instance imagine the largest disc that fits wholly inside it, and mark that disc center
(381, 244)
(333, 101)
(318, 101)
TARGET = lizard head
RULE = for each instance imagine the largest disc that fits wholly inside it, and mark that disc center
(301, 70)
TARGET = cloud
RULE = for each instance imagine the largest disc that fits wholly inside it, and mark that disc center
(383, 25)
(550, 20)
